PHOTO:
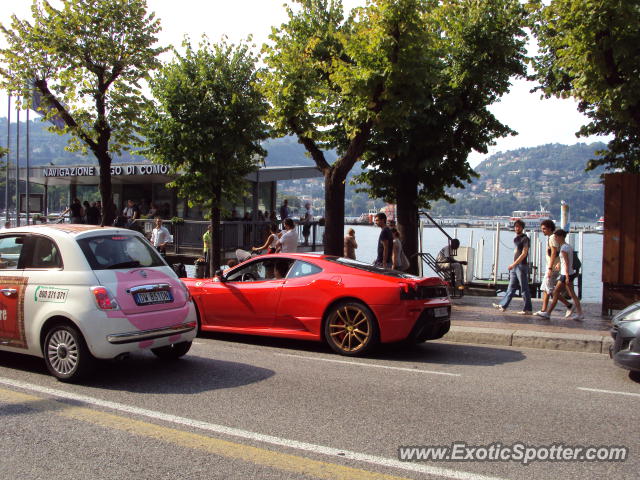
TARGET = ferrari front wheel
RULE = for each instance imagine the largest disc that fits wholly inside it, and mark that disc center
(350, 328)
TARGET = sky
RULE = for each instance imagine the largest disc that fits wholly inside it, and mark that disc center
(537, 121)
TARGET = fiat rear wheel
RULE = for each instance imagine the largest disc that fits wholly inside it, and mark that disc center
(66, 354)
(173, 351)
(351, 329)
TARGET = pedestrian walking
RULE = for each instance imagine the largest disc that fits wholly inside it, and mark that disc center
(552, 272)
(565, 281)
(518, 272)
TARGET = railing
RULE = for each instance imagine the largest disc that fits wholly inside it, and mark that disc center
(187, 236)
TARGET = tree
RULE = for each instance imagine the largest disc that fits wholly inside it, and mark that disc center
(207, 124)
(591, 51)
(81, 66)
(325, 83)
(463, 54)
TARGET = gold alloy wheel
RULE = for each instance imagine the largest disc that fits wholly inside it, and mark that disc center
(350, 328)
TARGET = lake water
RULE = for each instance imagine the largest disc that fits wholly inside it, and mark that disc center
(433, 240)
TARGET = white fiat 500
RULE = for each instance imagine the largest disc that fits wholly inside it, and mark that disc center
(74, 293)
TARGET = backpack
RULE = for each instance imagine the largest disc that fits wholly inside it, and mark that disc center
(577, 264)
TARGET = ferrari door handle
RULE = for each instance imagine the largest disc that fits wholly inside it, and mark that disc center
(9, 292)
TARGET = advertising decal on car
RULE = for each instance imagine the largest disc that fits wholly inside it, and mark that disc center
(50, 294)
(12, 332)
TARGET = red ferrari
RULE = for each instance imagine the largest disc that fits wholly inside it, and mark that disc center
(348, 304)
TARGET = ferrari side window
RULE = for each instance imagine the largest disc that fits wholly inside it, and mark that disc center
(302, 269)
(250, 273)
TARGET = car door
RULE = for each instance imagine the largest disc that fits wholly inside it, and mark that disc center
(301, 303)
(247, 297)
(12, 288)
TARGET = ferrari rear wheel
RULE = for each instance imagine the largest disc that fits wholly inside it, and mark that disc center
(350, 328)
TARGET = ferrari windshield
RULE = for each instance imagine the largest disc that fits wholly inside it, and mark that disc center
(368, 267)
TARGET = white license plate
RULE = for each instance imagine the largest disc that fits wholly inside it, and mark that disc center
(440, 312)
(149, 298)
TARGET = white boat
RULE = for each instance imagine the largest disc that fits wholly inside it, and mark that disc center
(600, 225)
(531, 218)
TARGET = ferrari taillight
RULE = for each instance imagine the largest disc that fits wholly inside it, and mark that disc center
(104, 299)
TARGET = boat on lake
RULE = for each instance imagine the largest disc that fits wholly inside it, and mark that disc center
(531, 218)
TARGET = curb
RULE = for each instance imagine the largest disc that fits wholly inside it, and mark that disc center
(570, 342)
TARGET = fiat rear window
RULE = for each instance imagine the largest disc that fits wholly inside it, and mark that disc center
(111, 252)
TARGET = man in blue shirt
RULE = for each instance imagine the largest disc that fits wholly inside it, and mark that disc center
(518, 272)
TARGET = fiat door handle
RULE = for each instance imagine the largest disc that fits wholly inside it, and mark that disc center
(9, 292)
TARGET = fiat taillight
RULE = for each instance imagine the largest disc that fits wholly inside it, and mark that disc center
(104, 299)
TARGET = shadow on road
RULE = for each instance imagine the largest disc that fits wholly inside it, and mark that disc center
(429, 352)
(449, 354)
(144, 373)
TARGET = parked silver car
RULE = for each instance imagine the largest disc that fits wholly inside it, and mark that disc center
(625, 350)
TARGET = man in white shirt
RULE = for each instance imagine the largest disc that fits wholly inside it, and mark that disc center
(160, 236)
(288, 242)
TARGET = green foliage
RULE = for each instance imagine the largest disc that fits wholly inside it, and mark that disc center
(591, 51)
(85, 61)
(463, 54)
(208, 121)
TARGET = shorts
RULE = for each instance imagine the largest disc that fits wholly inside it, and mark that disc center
(549, 282)
(563, 278)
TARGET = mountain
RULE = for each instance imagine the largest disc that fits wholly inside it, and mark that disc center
(528, 178)
(522, 179)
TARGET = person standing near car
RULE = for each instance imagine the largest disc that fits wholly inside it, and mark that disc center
(288, 242)
(350, 244)
(306, 219)
(160, 236)
(206, 243)
(398, 257)
(284, 211)
(75, 211)
(518, 272)
(385, 242)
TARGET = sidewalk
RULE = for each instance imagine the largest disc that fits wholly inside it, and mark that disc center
(474, 320)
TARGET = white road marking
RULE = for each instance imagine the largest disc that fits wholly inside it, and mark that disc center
(362, 364)
(254, 436)
(609, 391)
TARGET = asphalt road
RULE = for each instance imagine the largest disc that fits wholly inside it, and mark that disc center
(245, 408)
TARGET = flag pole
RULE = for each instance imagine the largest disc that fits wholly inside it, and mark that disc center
(17, 166)
(6, 185)
(27, 184)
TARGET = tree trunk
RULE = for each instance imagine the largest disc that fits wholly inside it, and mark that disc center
(334, 192)
(407, 217)
(216, 239)
(106, 193)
